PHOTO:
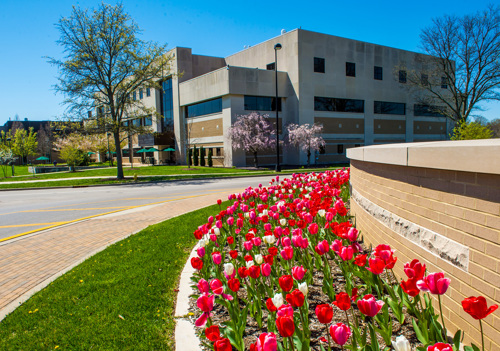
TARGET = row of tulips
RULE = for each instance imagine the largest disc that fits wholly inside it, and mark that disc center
(261, 252)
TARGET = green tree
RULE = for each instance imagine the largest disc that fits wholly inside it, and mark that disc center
(25, 144)
(105, 63)
(195, 156)
(7, 160)
(494, 125)
(471, 130)
(210, 161)
(202, 156)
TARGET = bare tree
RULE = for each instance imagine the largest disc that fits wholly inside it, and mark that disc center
(465, 64)
(45, 140)
(105, 64)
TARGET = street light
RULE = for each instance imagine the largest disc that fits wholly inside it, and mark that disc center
(276, 48)
(109, 151)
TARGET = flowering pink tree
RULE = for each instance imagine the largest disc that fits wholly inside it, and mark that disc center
(252, 133)
(307, 137)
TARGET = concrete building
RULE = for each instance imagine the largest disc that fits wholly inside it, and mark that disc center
(356, 90)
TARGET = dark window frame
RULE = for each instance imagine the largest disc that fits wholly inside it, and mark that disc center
(402, 76)
(261, 103)
(420, 110)
(389, 108)
(204, 108)
(339, 105)
(340, 149)
(319, 65)
(350, 69)
(271, 66)
(148, 92)
(444, 83)
(141, 94)
(378, 73)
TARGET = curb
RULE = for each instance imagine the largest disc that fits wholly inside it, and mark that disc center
(140, 183)
(185, 332)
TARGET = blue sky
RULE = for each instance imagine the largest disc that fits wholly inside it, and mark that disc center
(208, 27)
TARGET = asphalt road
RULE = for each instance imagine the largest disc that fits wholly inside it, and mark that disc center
(26, 211)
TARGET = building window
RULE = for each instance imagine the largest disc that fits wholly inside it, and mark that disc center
(340, 148)
(141, 94)
(319, 65)
(204, 108)
(322, 149)
(148, 121)
(424, 79)
(218, 151)
(338, 105)
(444, 83)
(377, 73)
(148, 92)
(350, 69)
(137, 122)
(402, 76)
(389, 108)
(90, 114)
(134, 96)
(271, 66)
(261, 103)
(426, 111)
(125, 124)
(167, 106)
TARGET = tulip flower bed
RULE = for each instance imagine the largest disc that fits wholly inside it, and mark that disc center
(282, 268)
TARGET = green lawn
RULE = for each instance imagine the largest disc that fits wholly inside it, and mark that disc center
(120, 299)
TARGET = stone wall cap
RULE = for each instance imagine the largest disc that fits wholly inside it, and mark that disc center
(479, 156)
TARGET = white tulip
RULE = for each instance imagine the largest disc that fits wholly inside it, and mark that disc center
(275, 198)
(303, 288)
(269, 239)
(228, 269)
(247, 215)
(401, 344)
(277, 300)
(321, 213)
(283, 222)
(204, 241)
(258, 258)
(216, 230)
(264, 212)
(249, 264)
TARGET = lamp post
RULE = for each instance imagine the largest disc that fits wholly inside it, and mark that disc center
(276, 48)
(109, 151)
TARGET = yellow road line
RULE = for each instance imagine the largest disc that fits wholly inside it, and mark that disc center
(77, 209)
(100, 214)
(29, 225)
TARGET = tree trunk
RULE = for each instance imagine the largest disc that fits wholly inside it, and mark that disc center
(255, 161)
(308, 157)
(119, 163)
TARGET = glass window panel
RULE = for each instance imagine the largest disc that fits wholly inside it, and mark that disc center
(319, 65)
(389, 108)
(377, 73)
(350, 69)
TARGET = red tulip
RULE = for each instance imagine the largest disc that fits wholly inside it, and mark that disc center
(295, 298)
(230, 240)
(203, 286)
(369, 306)
(477, 307)
(435, 283)
(286, 282)
(254, 271)
(346, 253)
(313, 228)
(440, 346)
(415, 269)
(360, 260)
(233, 254)
(223, 345)
(197, 263)
(376, 265)
(340, 333)
(324, 313)
(243, 272)
(270, 305)
(212, 333)
(410, 287)
(287, 253)
(342, 301)
(234, 284)
(273, 250)
(285, 325)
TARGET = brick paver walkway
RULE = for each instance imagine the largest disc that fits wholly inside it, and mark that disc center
(30, 263)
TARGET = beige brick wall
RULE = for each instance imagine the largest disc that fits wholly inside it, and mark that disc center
(462, 206)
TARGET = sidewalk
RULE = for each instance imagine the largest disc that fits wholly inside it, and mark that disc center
(31, 262)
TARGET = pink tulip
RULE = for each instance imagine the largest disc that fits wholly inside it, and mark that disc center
(268, 227)
(298, 272)
(218, 224)
(266, 342)
(337, 245)
(340, 333)
(248, 245)
(352, 234)
(206, 302)
(285, 311)
(313, 228)
(369, 306)
(266, 269)
(346, 253)
(230, 221)
(211, 219)
(322, 247)
(308, 218)
(200, 251)
(257, 241)
(285, 241)
(329, 216)
(435, 283)
(203, 286)
(216, 257)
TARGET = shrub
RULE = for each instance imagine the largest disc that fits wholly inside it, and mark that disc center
(196, 156)
(210, 162)
(202, 156)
